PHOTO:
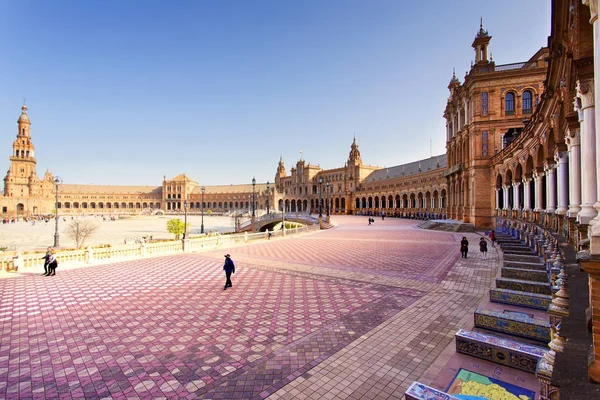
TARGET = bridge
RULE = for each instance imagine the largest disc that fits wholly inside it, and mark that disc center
(269, 221)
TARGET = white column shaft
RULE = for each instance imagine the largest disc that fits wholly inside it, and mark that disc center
(588, 167)
(527, 194)
(497, 198)
(551, 190)
(516, 196)
(563, 184)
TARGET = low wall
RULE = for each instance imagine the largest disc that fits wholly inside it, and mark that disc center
(115, 253)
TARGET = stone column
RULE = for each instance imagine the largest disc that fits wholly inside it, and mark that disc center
(497, 198)
(527, 194)
(572, 140)
(585, 93)
(505, 197)
(563, 180)
(539, 204)
(550, 188)
(516, 196)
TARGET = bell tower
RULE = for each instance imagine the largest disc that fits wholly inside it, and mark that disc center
(21, 177)
(480, 45)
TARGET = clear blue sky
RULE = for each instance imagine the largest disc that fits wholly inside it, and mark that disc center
(123, 92)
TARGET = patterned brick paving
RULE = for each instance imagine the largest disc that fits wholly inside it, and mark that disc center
(165, 328)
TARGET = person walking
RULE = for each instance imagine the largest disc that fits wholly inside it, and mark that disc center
(464, 247)
(229, 268)
(493, 238)
(483, 248)
(46, 258)
(52, 264)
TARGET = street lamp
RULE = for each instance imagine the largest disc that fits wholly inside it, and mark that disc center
(202, 220)
(253, 186)
(327, 197)
(320, 200)
(268, 195)
(185, 207)
(57, 181)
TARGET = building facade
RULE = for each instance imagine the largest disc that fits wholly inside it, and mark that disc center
(483, 115)
(416, 189)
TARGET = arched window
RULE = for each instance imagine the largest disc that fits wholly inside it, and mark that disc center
(509, 102)
(527, 103)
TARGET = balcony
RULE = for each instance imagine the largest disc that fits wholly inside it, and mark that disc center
(453, 169)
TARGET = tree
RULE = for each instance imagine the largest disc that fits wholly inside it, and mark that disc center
(176, 227)
(80, 230)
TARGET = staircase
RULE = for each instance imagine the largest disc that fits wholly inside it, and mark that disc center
(514, 328)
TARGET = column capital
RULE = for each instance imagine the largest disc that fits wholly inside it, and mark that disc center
(549, 167)
(516, 184)
(561, 157)
(585, 94)
(526, 180)
(593, 5)
(572, 138)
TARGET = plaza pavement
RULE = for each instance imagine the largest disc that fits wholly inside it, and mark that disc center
(355, 312)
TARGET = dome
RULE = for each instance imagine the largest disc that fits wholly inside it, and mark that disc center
(24, 117)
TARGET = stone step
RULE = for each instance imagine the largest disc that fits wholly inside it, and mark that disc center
(515, 325)
(521, 285)
(525, 274)
(522, 258)
(521, 299)
(499, 350)
(419, 391)
(525, 265)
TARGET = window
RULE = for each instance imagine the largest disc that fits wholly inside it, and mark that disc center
(484, 104)
(527, 105)
(509, 102)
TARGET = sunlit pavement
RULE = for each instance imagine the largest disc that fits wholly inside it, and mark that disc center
(354, 312)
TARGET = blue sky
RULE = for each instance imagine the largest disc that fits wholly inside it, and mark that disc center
(124, 92)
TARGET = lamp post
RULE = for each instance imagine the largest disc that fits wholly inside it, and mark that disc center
(268, 195)
(202, 220)
(253, 186)
(185, 207)
(320, 200)
(327, 197)
(57, 181)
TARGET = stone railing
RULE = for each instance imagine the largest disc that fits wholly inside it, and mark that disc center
(115, 253)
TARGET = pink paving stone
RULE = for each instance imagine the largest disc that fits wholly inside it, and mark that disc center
(167, 320)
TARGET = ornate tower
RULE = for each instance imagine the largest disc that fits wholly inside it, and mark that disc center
(21, 179)
(480, 45)
(280, 173)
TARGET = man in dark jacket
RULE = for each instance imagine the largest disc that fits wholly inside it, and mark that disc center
(229, 268)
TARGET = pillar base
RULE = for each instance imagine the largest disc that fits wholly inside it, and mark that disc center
(594, 371)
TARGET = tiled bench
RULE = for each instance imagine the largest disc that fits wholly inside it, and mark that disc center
(499, 350)
(522, 299)
(418, 391)
(523, 286)
(525, 274)
(516, 325)
(518, 252)
(522, 258)
(538, 266)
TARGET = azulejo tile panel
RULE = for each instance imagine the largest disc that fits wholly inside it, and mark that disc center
(528, 300)
(525, 274)
(523, 286)
(418, 391)
(512, 324)
(499, 350)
